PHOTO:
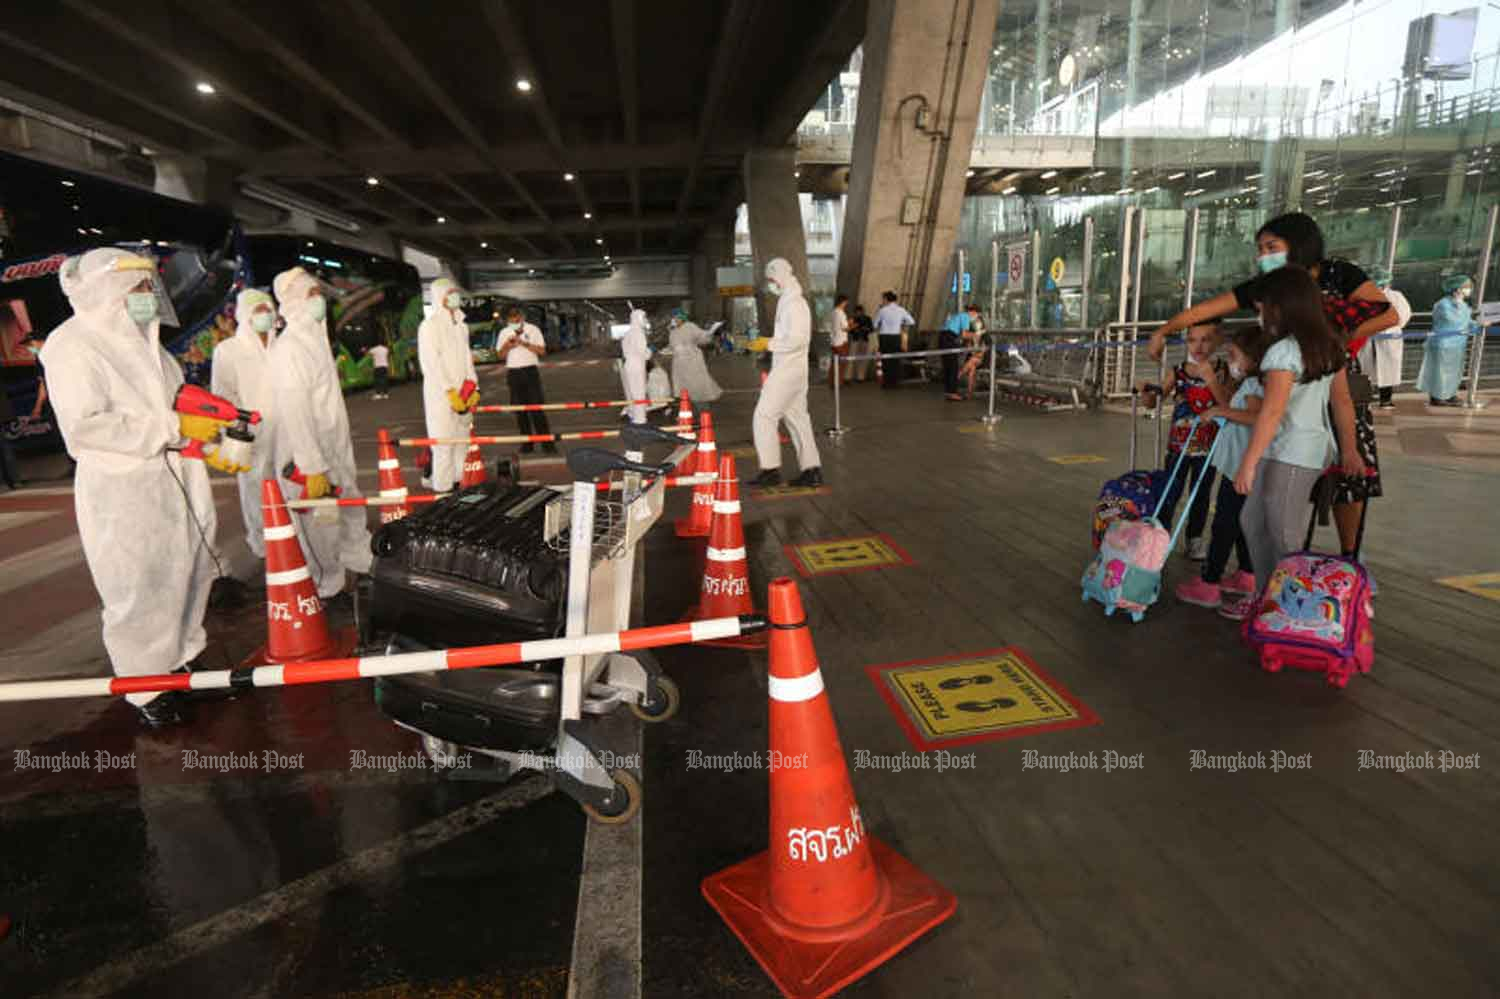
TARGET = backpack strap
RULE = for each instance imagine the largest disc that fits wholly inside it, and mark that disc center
(1207, 468)
(1176, 467)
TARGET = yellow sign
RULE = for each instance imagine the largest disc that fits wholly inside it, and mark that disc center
(737, 291)
(846, 555)
(1481, 584)
(790, 492)
(989, 696)
(1076, 459)
(1057, 270)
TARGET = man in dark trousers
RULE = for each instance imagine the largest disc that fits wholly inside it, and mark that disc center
(520, 345)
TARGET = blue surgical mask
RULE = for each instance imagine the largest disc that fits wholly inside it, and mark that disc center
(773, 288)
(317, 308)
(141, 306)
(262, 322)
(1269, 262)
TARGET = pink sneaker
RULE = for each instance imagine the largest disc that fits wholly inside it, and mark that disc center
(1199, 593)
(1240, 582)
(1236, 606)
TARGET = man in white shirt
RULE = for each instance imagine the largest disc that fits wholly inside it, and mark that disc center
(890, 322)
(840, 339)
(519, 346)
(380, 357)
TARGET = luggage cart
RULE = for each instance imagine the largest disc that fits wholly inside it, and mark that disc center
(530, 719)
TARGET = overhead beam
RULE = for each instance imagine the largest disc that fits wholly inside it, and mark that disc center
(518, 157)
(836, 41)
(482, 230)
(732, 35)
(622, 24)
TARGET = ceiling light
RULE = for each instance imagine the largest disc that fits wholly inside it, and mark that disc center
(1207, 173)
(67, 183)
(441, 219)
(531, 270)
(484, 246)
(598, 240)
(968, 173)
(568, 177)
(606, 256)
(1053, 190)
(1009, 190)
(1124, 190)
(309, 242)
(205, 88)
(512, 260)
(1049, 175)
(1311, 190)
(1177, 176)
(1151, 190)
(373, 181)
(1193, 193)
(588, 215)
(523, 85)
(1252, 176)
(1098, 173)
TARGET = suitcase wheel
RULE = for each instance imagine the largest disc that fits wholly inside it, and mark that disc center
(1270, 662)
(623, 802)
(659, 704)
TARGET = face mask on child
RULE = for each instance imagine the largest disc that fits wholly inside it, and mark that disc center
(1236, 372)
(1268, 262)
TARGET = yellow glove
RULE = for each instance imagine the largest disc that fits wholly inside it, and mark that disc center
(457, 402)
(759, 344)
(199, 428)
(216, 459)
(472, 401)
(318, 486)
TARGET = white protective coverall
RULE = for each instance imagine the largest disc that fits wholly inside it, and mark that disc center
(239, 375)
(145, 516)
(635, 351)
(1382, 355)
(689, 371)
(309, 426)
(784, 395)
(443, 350)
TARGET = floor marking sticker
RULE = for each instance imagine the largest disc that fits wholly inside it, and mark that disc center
(976, 428)
(955, 700)
(789, 492)
(871, 551)
(1076, 459)
(1481, 584)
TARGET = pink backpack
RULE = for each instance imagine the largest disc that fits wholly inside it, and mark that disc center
(1315, 614)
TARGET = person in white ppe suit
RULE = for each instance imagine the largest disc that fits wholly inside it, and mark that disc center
(689, 370)
(635, 351)
(309, 428)
(1383, 353)
(784, 394)
(447, 364)
(239, 375)
(145, 515)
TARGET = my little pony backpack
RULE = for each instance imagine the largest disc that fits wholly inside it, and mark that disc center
(1315, 611)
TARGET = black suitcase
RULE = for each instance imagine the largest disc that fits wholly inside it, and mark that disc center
(504, 708)
(471, 569)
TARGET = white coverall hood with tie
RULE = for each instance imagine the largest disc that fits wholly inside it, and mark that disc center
(443, 351)
(633, 373)
(784, 395)
(309, 427)
(145, 516)
(239, 375)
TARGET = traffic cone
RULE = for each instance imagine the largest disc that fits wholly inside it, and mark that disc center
(698, 521)
(473, 474)
(827, 903)
(296, 630)
(685, 416)
(390, 481)
(726, 577)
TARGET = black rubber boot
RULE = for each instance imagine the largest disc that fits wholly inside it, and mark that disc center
(767, 477)
(810, 477)
(166, 710)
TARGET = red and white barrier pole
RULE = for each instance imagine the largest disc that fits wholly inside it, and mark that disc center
(553, 407)
(577, 435)
(411, 499)
(363, 668)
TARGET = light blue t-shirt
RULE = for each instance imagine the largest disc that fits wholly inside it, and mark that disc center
(1304, 437)
(1234, 438)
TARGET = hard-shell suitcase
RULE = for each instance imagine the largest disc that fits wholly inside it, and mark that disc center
(471, 569)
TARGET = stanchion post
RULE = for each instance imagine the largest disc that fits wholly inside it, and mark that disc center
(989, 418)
(837, 430)
(1476, 356)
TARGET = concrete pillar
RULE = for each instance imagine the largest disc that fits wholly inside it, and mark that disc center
(198, 179)
(775, 221)
(1453, 191)
(906, 187)
(715, 250)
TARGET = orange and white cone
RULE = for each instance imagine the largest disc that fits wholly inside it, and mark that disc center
(296, 629)
(473, 473)
(685, 416)
(726, 575)
(827, 903)
(700, 519)
(392, 486)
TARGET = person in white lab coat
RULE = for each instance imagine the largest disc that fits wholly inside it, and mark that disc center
(635, 351)
(309, 429)
(1383, 353)
(784, 394)
(239, 375)
(145, 515)
(689, 370)
(447, 365)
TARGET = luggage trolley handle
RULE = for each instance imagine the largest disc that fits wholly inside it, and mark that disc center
(637, 436)
(590, 464)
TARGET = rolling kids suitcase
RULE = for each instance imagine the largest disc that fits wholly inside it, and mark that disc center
(1132, 496)
(1315, 613)
(1126, 573)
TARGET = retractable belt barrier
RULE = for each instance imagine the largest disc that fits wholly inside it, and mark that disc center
(554, 407)
(366, 667)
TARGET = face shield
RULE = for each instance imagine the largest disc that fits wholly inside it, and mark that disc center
(100, 280)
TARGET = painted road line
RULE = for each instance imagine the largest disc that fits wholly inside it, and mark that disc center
(20, 518)
(996, 694)
(1480, 584)
(1077, 459)
(281, 903)
(789, 492)
(27, 567)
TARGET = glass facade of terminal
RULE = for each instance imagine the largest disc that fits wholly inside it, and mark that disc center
(1378, 117)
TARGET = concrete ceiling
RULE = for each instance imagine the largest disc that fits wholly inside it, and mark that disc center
(650, 104)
